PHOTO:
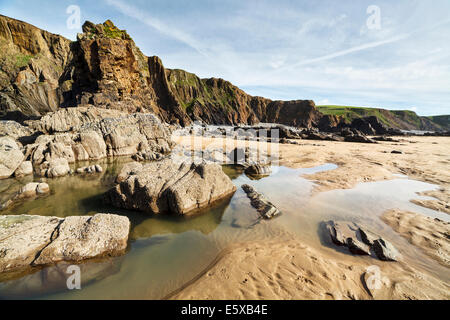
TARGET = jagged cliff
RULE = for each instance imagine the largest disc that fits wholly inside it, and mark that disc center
(31, 63)
(41, 72)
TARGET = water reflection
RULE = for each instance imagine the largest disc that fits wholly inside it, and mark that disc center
(165, 252)
(159, 225)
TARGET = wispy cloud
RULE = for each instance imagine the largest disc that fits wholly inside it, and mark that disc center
(145, 18)
(369, 45)
(288, 49)
(351, 50)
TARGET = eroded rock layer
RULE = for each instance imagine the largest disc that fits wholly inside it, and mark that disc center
(34, 240)
(105, 68)
(169, 187)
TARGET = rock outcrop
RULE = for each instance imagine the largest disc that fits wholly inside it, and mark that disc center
(89, 133)
(33, 62)
(265, 208)
(361, 241)
(10, 156)
(55, 168)
(170, 187)
(104, 67)
(34, 240)
(16, 131)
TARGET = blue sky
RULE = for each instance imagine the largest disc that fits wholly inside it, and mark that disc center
(317, 49)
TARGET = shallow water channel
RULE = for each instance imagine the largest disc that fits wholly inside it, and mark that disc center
(166, 252)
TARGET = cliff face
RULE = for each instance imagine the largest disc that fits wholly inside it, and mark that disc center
(41, 72)
(400, 119)
(31, 63)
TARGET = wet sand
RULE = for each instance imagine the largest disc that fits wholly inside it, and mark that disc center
(296, 269)
(424, 158)
(286, 258)
(431, 235)
(281, 270)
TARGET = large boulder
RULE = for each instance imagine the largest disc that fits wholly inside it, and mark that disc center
(10, 157)
(33, 189)
(25, 169)
(34, 240)
(170, 187)
(91, 134)
(60, 150)
(72, 119)
(55, 168)
(136, 132)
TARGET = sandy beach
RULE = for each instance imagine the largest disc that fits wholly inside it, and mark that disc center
(293, 269)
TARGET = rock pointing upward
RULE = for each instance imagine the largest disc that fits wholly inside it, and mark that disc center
(264, 207)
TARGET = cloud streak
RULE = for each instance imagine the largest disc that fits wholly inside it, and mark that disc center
(145, 18)
(367, 46)
(351, 50)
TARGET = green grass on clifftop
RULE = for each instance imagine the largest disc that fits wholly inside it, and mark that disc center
(443, 121)
(401, 119)
(351, 113)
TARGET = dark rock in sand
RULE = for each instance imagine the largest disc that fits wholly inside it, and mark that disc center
(358, 139)
(385, 139)
(265, 208)
(357, 247)
(363, 125)
(385, 250)
(361, 241)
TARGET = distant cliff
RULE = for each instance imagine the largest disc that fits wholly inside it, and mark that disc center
(400, 119)
(41, 72)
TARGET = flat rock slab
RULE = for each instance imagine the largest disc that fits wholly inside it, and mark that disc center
(265, 208)
(170, 187)
(35, 240)
(361, 241)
